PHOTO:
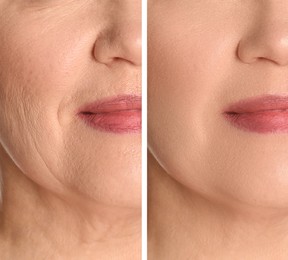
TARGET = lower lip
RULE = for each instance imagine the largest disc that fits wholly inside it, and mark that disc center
(261, 115)
(119, 115)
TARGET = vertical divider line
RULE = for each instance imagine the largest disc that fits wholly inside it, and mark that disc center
(144, 131)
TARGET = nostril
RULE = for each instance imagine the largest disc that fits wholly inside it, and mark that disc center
(265, 45)
(121, 44)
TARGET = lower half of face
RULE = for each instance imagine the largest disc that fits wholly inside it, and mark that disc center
(46, 75)
(193, 76)
(75, 161)
(202, 151)
(64, 154)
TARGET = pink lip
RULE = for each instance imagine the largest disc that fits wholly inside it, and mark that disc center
(117, 115)
(265, 114)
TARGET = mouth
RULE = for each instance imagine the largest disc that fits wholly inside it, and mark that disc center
(264, 114)
(120, 115)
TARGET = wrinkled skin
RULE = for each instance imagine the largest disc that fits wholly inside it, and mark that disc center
(50, 66)
(55, 57)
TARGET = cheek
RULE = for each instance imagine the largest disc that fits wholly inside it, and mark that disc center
(184, 80)
(187, 77)
(39, 63)
(34, 77)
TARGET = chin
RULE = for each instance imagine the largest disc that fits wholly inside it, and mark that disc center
(251, 187)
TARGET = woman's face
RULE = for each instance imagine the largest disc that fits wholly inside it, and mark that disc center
(203, 56)
(57, 56)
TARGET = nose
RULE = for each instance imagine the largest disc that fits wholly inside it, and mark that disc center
(121, 41)
(268, 41)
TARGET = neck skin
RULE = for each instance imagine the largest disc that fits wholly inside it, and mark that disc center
(35, 223)
(184, 225)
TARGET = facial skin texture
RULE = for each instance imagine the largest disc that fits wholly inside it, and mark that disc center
(227, 52)
(56, 56)
(204, 55)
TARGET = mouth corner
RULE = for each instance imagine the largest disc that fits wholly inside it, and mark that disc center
(121, 114)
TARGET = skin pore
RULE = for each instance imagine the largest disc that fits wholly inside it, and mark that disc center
(215, 191)
(68, 191)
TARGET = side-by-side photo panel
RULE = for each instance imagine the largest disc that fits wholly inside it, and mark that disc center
(217, 129)
(70, 129)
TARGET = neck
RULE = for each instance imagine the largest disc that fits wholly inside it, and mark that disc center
(188, 225)
(35, 220)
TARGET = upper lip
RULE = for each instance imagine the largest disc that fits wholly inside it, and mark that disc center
(114, 104)
(258, 104)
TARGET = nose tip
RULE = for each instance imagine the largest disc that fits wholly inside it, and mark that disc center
(121, 44)
(270, 44)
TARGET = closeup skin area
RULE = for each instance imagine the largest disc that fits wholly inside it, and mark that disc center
(55, 57)
(203, 56)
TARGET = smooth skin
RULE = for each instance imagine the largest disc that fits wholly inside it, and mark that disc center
(68, 190)
(215, 191)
